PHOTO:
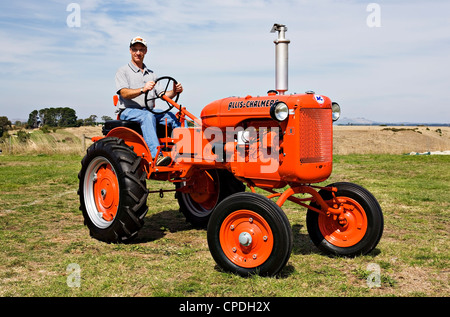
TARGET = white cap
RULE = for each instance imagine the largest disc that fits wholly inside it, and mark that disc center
(138, 39)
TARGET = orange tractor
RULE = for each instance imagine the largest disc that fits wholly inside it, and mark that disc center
(279, 143)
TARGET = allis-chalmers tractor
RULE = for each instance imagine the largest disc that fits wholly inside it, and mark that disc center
(278, 143)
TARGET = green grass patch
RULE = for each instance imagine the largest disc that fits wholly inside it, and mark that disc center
(42, 235)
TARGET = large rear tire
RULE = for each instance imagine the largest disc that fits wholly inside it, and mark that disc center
(249, 234)
(113, 191)
(356, 232)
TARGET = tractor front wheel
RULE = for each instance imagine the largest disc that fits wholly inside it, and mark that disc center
(249, 234)
(356, 231)
(112, 190)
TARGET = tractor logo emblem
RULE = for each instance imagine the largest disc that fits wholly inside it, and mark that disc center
(319, 99)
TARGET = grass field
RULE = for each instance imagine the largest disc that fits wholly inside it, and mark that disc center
(45, 247)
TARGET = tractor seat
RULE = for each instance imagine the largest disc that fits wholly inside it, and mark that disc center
(133, 125)
(109, 125)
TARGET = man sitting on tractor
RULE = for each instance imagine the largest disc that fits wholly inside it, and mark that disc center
(132, 82)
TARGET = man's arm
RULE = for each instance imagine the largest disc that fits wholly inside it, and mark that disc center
(129, 93)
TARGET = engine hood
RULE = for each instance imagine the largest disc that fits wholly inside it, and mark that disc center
(229, 112)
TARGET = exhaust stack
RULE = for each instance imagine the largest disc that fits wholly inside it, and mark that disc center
(281, 58)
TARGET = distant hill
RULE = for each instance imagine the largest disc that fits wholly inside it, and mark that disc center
(364, 121)
(355, 121)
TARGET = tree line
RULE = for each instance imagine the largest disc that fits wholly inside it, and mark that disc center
(53, 117)
(61, 117)
(46, 119)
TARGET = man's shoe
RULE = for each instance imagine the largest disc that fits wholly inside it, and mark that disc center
(163, 160)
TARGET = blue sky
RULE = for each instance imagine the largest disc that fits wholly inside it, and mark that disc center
(397, 72)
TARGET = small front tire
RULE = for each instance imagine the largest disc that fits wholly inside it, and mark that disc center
(249, 234)
(356, 232)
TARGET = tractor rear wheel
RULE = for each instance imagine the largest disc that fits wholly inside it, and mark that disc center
(112, 190)
(249, 234)
(356, 232)
(208, 188)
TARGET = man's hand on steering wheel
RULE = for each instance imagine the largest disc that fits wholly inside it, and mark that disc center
(149, 86)
(174, 93)
(177, 88)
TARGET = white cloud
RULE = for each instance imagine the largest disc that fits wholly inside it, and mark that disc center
(222, 48)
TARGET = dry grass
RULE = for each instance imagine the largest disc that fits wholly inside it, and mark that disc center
(61, 141)
(390, 140)
(347, 140)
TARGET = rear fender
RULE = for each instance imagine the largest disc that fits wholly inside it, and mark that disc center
(135, 140)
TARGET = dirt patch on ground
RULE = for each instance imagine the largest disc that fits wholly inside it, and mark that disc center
(390, 140)
(417, 280)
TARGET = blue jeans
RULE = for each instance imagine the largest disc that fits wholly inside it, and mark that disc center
(148, 122)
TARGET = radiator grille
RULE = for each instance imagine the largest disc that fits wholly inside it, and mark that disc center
(316, 135)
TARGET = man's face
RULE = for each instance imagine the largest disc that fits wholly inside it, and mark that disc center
(138, 52)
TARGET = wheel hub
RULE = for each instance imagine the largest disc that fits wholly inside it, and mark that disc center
(245, 239)
(205, 191)
(348, 228)
(106, 192)
(342, 220)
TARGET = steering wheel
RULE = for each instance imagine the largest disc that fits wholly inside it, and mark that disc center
(170, 106)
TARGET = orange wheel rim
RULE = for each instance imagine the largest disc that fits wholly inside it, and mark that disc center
(246, 238)
(106, 192)
(207, 201)
(205, 192)
(347, 229)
